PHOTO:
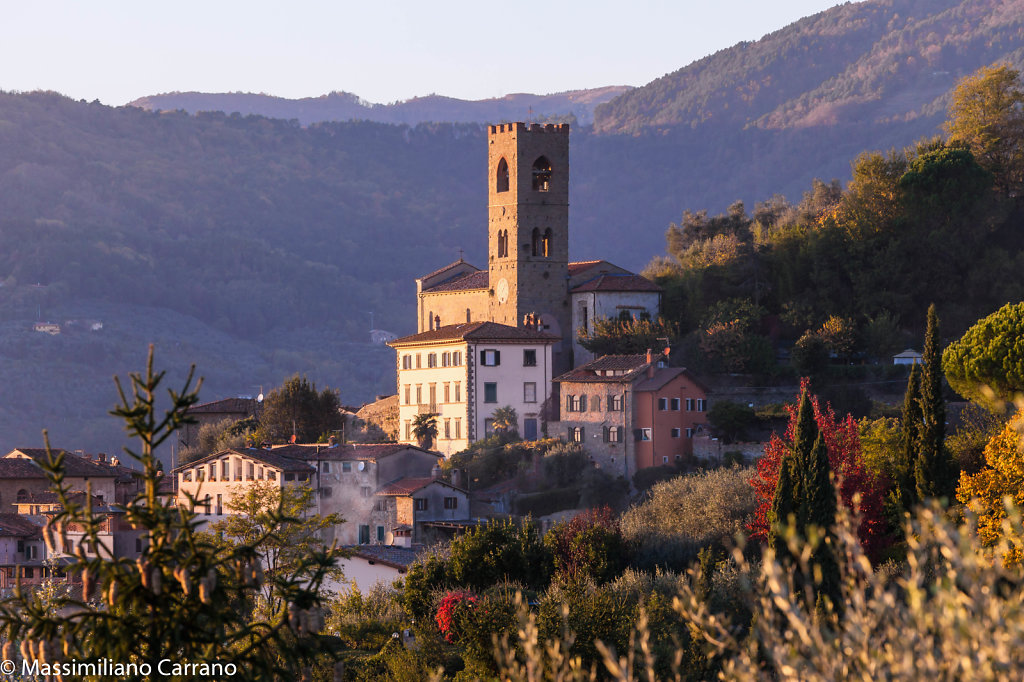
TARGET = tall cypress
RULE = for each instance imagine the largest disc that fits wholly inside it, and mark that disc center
(906, 488)
(803, 446)
(821, 506)
(783, 507)
(933, 469)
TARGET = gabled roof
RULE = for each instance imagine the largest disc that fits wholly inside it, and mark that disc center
(368, 452)
(268, 457)
(619, 369)
(450, 266)
(617, 282)
(409, 485)
(582, 265)
(477, 331)
(663, 375)
(17, 526)
(226, 405)
(389, 555)
(75, 466)
(473, 280)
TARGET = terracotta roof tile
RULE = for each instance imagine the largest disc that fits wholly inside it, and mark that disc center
(226, 405)
(74, 465)
(447, 267)
(477, 331)
(582, 265)
(618, 282)
(410, 484)
(389, 555)
(16, 525)
(627, 365)
(472, 280)
(269, 457)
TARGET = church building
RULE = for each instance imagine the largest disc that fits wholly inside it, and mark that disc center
(528, 280)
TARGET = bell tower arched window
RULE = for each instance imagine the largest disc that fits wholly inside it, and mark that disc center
(541, 174)
(535, 242)
(546, 244)
(502, 243)
(501, 180)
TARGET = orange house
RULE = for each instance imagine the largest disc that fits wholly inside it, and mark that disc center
(631, 412)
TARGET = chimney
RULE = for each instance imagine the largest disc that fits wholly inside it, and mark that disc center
(457, 478)
(114, 461)
(650, 364)
(102, 457)
(437, 321)
(435, 472)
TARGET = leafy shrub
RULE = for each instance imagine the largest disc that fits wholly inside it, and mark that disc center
(590, 545)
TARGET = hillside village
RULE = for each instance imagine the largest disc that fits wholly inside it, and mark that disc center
(789, 448)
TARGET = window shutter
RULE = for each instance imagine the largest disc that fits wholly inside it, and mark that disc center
(610, 404)
(606, 434)
(483, 357)
(637, 434)
(497, 357)
(568, 402)
(583, 403)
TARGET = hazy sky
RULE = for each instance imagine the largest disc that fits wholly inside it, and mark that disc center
(382, 50)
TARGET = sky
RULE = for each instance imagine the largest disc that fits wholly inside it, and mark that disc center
(382, 50)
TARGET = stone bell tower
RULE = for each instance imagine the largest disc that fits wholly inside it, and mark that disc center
(528, 228)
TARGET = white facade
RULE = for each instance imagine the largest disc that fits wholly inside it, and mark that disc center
(463, 373)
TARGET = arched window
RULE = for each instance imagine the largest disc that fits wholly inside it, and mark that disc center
(502, 243)
(22, 495)
(501, 184)
(535, 242)
(468, 315)
(541, 174)
(546, 244)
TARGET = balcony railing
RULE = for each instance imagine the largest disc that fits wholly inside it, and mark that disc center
(426, 408)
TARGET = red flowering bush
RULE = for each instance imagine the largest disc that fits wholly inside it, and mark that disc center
(844, 453)
(452, 612)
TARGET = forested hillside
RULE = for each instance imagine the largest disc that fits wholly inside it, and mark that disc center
(258, 247)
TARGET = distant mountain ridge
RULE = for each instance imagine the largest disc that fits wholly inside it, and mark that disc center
(882, 61)
(345, 106)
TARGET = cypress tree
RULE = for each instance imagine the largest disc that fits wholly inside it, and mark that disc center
(821, 505)
(803, 445)
(933, 470)
(906, 488)
(782, 508)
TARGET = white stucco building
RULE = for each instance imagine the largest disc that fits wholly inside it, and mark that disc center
(462, 373)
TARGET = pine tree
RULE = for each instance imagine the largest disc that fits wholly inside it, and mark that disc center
(933, 468)
(905, 490)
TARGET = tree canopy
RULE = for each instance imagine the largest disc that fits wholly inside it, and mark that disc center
(297, 409)
(987, 363)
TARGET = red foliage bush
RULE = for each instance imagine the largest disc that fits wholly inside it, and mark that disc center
(844, 453)
(447, 612)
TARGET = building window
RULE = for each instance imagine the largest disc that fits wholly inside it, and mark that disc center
(271, 475)
(225, 470)
(576, 434)
(408, 431)
(615, 403)
(689, 433)
(326, 492)
(664, 459)
(541, 174)
(28, 572)
(676, 433)
(458, 392)
(327, 467)
(501, 177)
(613, 434)
(675, 404)
(419, 394)
(529, 357)
(662, 404)
(365, 491)
(381, 505)
(584, 320)
(417, 361)
(689, 404)
(406, 361)
(138, 545)
(289, 477)
(700, 404)
(448, 429)
(186, 476)
(458, 429)
(490, 358)
(408, 394)
(220, 504)
(213, 471)
(251, 472)
(364, 535)
(529, 392)
(447, 392)
(490, 392)
(595, 404)
(380, 534)
(576, 403)
(421, 503)
(643, 434)
(446, 359)
(451, 503)
(431, 360)
(346, 467)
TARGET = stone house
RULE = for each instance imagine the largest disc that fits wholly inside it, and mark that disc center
(21, 551)
(414, 501)
(232, 409)
(21, 476)
(631, 411)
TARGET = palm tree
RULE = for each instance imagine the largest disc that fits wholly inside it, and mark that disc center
(424, 427)
(505, 422)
